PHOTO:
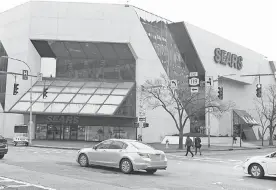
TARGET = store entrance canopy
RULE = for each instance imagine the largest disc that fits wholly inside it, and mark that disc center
(75, 97)
(242, 117)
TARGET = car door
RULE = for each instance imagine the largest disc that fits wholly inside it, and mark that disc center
(271, 164)
(99, 155)
(116, 152)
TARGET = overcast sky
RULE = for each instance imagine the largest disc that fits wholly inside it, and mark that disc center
(246, 22)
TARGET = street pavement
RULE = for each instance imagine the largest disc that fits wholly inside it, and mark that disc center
(31, 168)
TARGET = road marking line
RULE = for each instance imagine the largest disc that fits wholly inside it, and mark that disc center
(16, 186)
(27, 184)
(217, 183)
(235, 160)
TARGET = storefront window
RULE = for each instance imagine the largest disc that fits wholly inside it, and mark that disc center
(41, 131)
(81, 133)
(100, 133)
(94, 133)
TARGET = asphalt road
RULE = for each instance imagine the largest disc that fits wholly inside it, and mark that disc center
(29, 168)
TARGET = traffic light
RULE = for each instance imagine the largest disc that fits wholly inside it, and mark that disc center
(44, 93)
(220, 93)
(15, 89)
(259, 90)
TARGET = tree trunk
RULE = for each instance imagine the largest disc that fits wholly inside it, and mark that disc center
(181, 146)
(270, 135)
(262, 140)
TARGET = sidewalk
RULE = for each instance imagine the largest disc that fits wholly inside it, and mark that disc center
(76, 145)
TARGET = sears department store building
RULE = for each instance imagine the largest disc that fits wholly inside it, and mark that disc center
(94, 56)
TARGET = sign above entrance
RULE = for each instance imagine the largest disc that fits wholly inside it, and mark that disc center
(62, 119)
(227, 58)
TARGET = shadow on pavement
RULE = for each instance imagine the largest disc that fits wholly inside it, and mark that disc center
(264, 178)
(108, 170)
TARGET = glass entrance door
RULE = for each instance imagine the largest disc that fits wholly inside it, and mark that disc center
(53, 132)
(50, 132)
(73, 132)
(66, 132)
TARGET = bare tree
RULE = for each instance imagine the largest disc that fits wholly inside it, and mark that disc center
(263, 121)
(267, 109)
(180, 104)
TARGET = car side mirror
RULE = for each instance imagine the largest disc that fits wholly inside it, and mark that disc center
(94, 147)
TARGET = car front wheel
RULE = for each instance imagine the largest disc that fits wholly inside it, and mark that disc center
(1, 156)
(256, 170)
(151, 171)
(126, 166)
(83, 160)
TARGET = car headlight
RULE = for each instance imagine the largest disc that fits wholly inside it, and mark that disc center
(144, 155)
(247, 159)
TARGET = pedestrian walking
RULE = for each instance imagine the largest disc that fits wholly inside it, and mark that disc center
(188, 145)
(198, 145)
(235, 139)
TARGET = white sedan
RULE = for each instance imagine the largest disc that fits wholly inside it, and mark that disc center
(260, 166)
(125, 154)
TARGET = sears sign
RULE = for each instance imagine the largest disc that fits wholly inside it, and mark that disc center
(227, 58)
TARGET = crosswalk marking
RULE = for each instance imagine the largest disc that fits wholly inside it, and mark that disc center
(204, 159)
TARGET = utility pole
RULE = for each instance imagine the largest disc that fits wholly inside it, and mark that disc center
(209, 111)
(31, 98)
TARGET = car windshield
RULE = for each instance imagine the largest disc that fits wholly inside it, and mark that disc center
(139, 145)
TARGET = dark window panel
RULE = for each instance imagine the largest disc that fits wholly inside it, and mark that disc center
(107, 51)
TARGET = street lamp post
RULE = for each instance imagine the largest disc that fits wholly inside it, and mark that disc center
(31, 98)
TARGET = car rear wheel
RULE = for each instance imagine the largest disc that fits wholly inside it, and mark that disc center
(256, 170)
(126, 166)
(1, 156)
(152, 171)
(83, 160)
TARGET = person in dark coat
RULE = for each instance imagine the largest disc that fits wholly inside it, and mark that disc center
(188, 145)
(198, 145)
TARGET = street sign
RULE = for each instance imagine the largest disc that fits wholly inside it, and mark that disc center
(25, 74)
(209, 81)
(194, 89)
(193, 74)
(194, 81)
(142, 119)
(40, 77)
(173, 84)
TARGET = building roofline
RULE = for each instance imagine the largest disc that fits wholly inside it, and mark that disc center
(135, 7)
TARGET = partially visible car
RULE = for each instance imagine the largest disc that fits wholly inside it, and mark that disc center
(125, 154)
(260, 166)
(3, 147)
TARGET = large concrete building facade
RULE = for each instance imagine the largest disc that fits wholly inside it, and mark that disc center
(94, 57)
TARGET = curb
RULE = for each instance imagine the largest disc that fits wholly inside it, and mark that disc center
(166, 151)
